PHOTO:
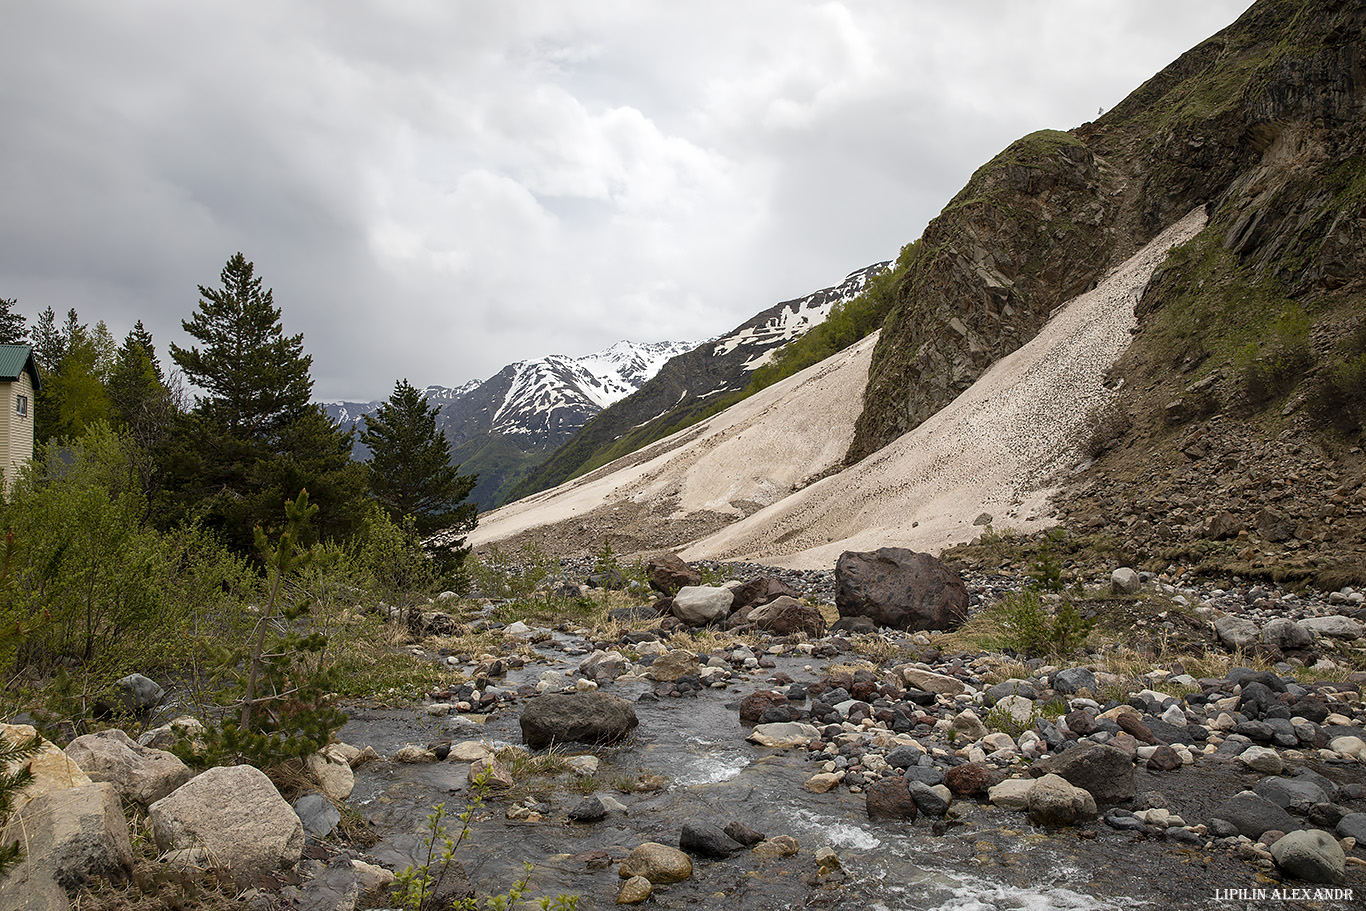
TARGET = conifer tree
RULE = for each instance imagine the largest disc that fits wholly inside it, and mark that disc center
(256, 377)
(13, 326)
(48, 345)
(411, 474)
(253, 440)
(75, 361)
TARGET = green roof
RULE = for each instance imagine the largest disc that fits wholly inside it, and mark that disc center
(14, 360)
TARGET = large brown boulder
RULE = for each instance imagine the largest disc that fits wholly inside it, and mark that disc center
(668, 573)
(761, 591)
(889, 798)
(899, 588)
(786, 616)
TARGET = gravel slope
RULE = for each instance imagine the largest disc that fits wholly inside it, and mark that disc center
(739, 485)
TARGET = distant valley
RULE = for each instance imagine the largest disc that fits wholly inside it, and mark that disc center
(505, 427)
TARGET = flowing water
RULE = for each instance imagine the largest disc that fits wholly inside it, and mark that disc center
(978, 858)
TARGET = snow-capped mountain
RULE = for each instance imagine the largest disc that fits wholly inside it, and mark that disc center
(767, 332)
(550, 392)
(350, 413)
(691, 383)
(503, 426)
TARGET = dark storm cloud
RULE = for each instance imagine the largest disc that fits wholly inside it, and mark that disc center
(435, 189)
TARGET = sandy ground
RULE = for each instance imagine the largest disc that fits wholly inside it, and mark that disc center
(997, 449)
(748, 457)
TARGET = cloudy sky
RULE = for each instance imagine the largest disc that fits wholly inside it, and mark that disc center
(436, 188)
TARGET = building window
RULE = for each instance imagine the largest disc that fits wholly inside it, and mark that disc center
(21, 405)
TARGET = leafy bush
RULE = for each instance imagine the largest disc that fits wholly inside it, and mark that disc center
(91, 586)
(1341, 396)
(1045, 570)
(389, 559)
(1348, 379)
(497, 574)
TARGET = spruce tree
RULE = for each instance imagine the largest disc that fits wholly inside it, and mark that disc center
(253, 440)
(144, 407)
(48, 346)
(411, 474)
(256, 377)
(13, 326)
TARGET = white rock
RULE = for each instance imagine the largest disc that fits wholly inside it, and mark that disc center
(1012, 794)
(1125, 581)
(1348, 746)
(237, 815)
(469, 751)
(517, 630)
(969, 725)
(332, 773)
(1174, 715)
(141, 774)
(998, 741)
(783, 735)
(1262, 759)
(72, 834)
(698, 605)
(929, 681)
(51, 768)
(1336, 626)
(1020, 709)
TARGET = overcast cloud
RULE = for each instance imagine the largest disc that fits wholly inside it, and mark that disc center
(436, 188)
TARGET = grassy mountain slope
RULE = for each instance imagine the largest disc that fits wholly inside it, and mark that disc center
(1261, 123)
(1243, 393)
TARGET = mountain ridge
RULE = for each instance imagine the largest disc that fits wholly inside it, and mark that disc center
(685, 388)
(497, 425)
(1241, 393)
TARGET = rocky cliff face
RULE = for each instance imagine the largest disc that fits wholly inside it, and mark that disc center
(1262, 124)
(1032, 229)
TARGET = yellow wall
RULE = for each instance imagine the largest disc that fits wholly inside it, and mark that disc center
(16, 430)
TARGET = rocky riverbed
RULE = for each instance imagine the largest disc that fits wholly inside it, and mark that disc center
(915, 772)
(883, 769)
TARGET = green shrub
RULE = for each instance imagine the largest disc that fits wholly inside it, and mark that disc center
(497, 574)
(271, 692)
(1347, 381)
(1273, 366)
(94, 589)
(1029, 629)
(1045, 570)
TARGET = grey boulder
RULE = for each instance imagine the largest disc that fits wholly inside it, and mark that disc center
(576, 717)
(237, 816)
